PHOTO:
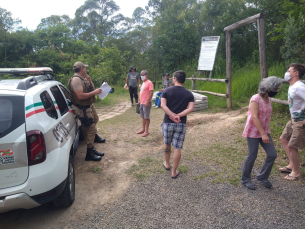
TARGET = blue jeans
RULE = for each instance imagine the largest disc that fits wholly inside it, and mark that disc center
(158, 99)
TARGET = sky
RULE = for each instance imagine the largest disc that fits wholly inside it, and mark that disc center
(30, 12)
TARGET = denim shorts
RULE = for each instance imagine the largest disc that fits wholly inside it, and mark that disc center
(174, 133)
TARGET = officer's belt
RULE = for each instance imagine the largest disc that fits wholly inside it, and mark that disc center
(82, 107)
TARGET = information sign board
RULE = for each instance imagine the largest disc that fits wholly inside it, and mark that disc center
(208, 52)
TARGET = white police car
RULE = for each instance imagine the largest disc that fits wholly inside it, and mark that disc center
(38, 140)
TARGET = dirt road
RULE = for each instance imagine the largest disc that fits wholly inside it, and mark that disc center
(99, 185)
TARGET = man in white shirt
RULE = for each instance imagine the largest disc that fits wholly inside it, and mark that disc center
(293, 136)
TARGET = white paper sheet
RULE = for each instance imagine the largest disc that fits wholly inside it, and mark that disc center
(105, 90)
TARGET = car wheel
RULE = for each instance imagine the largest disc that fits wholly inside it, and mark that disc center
(66, 198)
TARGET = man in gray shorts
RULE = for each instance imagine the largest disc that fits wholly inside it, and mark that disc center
(146, 94)
(177, 102)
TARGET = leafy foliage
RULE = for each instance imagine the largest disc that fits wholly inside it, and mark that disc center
(162, 37)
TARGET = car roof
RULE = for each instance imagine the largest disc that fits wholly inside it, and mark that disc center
(9, 84)
(41, 74)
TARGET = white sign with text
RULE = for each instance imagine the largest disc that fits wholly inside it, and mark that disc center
(208, 52)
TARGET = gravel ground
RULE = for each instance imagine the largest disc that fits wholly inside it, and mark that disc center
(162, 202)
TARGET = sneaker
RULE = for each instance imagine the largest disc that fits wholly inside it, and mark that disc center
(265, 182)
(131, 104)
(249, 185)
(156, 107)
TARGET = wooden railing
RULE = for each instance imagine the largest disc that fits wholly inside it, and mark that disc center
(228, 95)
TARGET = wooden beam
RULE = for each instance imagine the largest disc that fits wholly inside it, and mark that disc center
(211, 93)
(244, 22)
(228, 69)
(284, 102)
(262, 47)
(208, 79)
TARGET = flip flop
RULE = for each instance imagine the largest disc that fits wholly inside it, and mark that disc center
(176, 175)
(140, 132)
(144, 135)
(291, 178)
(285, 170)
(165, 166)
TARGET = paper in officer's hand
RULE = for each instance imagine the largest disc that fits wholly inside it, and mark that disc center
(105, 90)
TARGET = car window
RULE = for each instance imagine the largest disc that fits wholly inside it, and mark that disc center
(12, 114)
(65, 91)
(61, 102)
(48, 104)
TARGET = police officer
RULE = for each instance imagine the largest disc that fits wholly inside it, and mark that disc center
(82, 98)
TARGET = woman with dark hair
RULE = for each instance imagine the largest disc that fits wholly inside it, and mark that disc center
(257, 131)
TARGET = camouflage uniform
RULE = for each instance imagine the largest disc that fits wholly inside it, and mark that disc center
(90, 118)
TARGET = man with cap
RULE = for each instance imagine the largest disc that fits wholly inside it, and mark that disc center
(134, 78)
(82, 97)
(167, 82)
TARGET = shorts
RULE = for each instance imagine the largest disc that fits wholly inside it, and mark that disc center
(174, 132)
(294, 132)
(145, 111)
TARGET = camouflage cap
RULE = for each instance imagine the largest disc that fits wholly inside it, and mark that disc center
(79, 64)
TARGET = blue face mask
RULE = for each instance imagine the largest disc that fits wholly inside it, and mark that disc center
(272, 93)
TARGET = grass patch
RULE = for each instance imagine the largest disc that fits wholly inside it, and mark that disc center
(146, 167)
(119, 95)
(149, 166)
(183, 168)
(95, 169)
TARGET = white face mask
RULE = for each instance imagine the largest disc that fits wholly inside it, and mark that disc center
(143, 78)
(287, 76)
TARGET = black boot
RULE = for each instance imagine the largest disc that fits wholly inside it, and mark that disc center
(97, 153)
(99, 139)
(90, 156)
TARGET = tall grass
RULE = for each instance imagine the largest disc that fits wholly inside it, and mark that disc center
(245, 83)
(119, 95)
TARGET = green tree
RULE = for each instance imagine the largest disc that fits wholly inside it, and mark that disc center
(175, 36)
(96, 20)
(293, 48)
(7, 25)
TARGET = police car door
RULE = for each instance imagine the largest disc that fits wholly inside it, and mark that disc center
(65, 130)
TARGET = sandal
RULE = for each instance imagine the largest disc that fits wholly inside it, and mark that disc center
(177, 174)
(285, 170)
(291, 178)
(164, 165)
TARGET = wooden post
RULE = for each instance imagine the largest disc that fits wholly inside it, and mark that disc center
(155, 78)
(228, 68)
(262, 47)
(193, 83)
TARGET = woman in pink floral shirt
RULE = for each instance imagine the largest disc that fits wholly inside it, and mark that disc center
(257, 131)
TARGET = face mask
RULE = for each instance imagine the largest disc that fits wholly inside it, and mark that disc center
(143, 78)
(287, 76)
(272, 93)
